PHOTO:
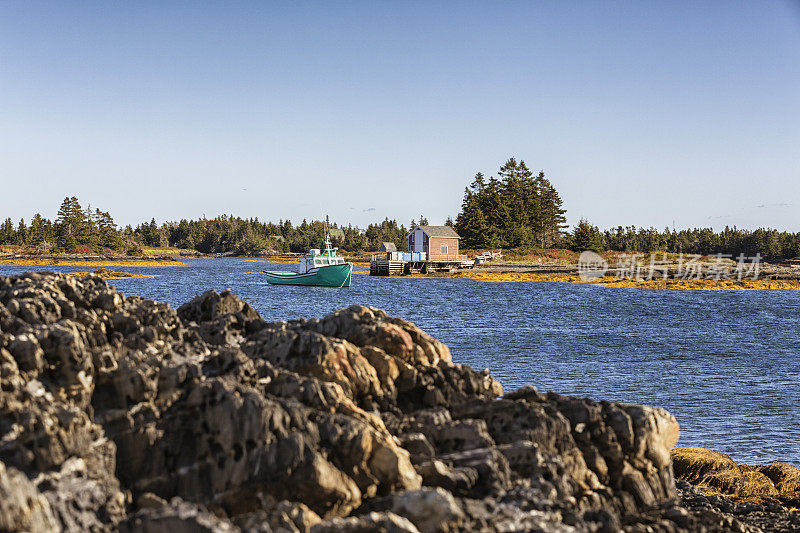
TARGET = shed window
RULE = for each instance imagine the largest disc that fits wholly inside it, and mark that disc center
(444, 249)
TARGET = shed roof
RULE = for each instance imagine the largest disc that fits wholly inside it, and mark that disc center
(388, 247)
(439, 231)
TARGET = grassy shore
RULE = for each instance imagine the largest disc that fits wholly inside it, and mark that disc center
(610, 281)
(108, 274)
(76, 262)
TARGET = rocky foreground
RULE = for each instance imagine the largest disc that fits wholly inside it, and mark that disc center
(120, 413)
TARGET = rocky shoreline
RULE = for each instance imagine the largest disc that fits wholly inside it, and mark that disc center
(121, 413)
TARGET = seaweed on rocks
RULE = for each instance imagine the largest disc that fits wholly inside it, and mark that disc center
(121, 413)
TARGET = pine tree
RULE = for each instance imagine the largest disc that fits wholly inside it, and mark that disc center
(90, 234)
(21, 237)
(552, 222)
(108, 236)
(7, 233)
(586, 237)
(494, 212)
(471, 223)
(152, 235)
(512, 203)
(66, 225)
(38, 231)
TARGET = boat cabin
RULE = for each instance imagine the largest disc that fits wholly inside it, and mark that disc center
(317, 259)
(439, 243)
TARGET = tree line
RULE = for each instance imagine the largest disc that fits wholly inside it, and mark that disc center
(514, 209)
(75, 229)
(229, 234)
(88, 230)
(520, 209)
(770, 243)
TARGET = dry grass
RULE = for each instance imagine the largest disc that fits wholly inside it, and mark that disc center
(610, 281)
(273, 260)
(717, 473)
(511, 277)
(108, 274)
(167, 250)
(97, 263)
(699, 284)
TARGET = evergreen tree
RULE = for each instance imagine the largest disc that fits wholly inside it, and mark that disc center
(552, 221)
(68, 224)
(21, 237)
(471, 223)
(90, 234)
(108, 236)
(7, 233)
(586, 237)
(38, 230)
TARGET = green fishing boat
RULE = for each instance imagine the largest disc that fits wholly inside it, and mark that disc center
(323, 269)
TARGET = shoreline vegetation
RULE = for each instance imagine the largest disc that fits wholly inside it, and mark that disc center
(108, 274)
(718, 474)
(560, 266)
(356, 421)
(81, 261)
(516, 210)
(611, 281)
(546, 266)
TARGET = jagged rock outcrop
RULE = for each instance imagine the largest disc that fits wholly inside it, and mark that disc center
(736, 514)
(120, 413)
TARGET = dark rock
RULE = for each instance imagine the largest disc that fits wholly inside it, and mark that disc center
(176, 517)
(368, 523)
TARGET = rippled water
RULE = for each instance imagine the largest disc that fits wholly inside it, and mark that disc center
(726, 364)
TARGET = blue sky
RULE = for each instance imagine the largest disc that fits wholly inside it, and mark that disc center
(643, 113)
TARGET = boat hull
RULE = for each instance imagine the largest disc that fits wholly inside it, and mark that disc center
(325, 276)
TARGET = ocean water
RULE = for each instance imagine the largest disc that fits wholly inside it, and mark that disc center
(726, 364)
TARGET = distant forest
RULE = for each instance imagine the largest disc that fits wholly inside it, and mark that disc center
(515, 210)
(88, 230)
(519, 209)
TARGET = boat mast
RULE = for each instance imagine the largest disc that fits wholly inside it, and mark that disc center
(327, 238)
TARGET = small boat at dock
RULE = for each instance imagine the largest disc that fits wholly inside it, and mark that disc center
(321, 269)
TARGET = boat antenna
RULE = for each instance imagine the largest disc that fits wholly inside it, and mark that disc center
(327, 235)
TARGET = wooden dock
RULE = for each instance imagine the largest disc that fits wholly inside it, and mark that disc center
(387, 267)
